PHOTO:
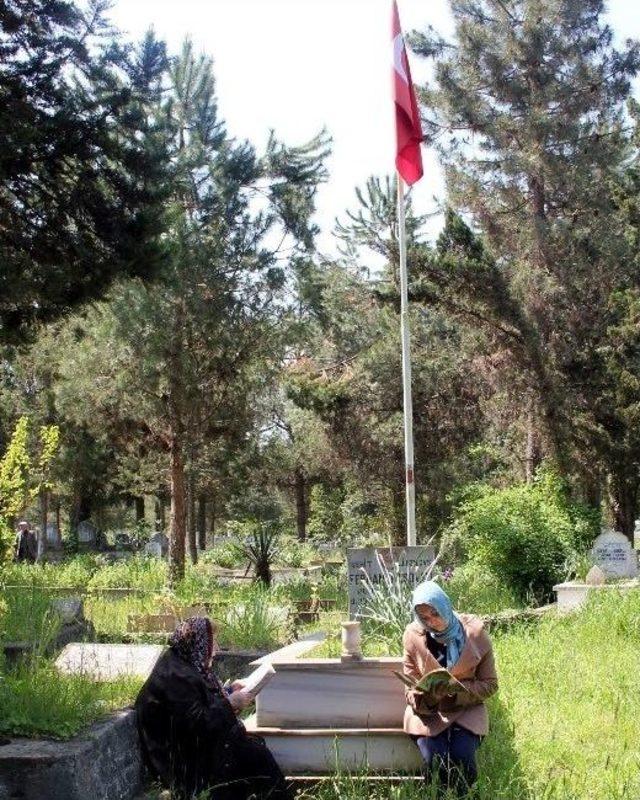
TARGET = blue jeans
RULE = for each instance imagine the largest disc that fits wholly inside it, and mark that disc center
(452, 755)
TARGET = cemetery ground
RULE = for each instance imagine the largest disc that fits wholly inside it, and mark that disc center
(563, 725)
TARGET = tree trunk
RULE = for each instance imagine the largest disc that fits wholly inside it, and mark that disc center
(202, 521)
(58, 528)
(177, 521)
(301, 504)
(212, 519)
(161, 514)
(44, 519)
(624, 500)
(532, 449)
(191, 521)
(139, 501)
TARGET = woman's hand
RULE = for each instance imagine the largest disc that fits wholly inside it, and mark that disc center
(236, 686)
(240, 699)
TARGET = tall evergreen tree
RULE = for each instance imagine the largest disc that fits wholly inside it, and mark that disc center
(527, 113)
(78, 180)
(178, 362)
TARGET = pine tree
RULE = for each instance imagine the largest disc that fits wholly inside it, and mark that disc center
(527, 114)
(79, 184)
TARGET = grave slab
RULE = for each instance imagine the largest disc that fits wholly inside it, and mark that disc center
(104, 763)
(106, 662)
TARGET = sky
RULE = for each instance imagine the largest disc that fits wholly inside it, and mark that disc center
(297, 66)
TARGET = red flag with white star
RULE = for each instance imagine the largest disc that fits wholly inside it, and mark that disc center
(408, 128)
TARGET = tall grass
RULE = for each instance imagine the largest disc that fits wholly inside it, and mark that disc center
(565, 723)
(38, 701)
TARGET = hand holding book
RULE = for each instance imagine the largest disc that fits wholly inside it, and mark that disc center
(435, 685)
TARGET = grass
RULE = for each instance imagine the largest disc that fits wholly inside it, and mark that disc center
(39, 702)
(564, 725)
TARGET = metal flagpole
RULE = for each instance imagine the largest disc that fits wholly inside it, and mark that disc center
(406, 373)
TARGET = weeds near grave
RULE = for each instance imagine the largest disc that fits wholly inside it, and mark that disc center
(388, 604)
(38, 701)
(255, 623)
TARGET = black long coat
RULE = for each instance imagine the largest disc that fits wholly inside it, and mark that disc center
(192, 740)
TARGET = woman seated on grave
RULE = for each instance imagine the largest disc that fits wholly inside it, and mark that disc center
(446, 717)
(190, 735)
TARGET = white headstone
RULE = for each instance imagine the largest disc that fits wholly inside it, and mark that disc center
(412, 563)
(87, 532)
(53, 536)
(157, 546)
(106, 662)
(613, 553)
(69, 609)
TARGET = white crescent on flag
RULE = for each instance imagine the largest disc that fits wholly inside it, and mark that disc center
(398, 60)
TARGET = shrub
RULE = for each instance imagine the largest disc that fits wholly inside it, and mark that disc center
(525, 534)
(473, 589)
(255, 623)
(139, 572)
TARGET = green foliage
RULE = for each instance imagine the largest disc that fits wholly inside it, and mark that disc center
(253, 623)
(262, 547)
(29, 618)
(474, 589)
(226, 554)
(42, 702)
(388, 604)
(293, 553)
(24, 473)
(77, 156)
(139, 572)
(524, 534)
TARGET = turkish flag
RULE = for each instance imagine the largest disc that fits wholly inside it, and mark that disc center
(408, 129)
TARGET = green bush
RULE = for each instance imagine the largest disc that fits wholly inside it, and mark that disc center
(473, 589)
(139, 572)
(524, 534)
(6, 541)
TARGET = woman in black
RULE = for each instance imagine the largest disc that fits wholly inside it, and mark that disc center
(191, 738)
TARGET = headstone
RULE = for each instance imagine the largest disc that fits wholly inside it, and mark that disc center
(53, 535)
(412, 564)
(595, 577)
(69, 609)
(157, 546)
(613, 553)
(107, 662)
(87, 532)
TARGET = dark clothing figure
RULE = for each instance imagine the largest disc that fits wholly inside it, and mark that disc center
(452, 756)
(26, 546)
(191, 738)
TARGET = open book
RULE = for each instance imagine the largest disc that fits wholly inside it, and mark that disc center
(258, 679)
(432, 680)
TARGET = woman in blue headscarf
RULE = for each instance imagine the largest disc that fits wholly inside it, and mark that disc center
(447, 724)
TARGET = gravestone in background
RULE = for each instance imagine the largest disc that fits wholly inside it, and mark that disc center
(107, 662)
(87, 533)
(157, 546)
(613, 553)
(53, 535)
(413, 563)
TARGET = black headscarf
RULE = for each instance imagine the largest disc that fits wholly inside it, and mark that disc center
(192, 640)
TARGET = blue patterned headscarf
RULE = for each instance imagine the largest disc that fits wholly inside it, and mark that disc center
(453, 636)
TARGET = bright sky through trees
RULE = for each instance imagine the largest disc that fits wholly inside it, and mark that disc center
(298, 65)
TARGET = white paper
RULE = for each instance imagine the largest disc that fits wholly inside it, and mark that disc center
(258, 679)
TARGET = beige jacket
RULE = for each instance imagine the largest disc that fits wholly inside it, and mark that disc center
(475, 669)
